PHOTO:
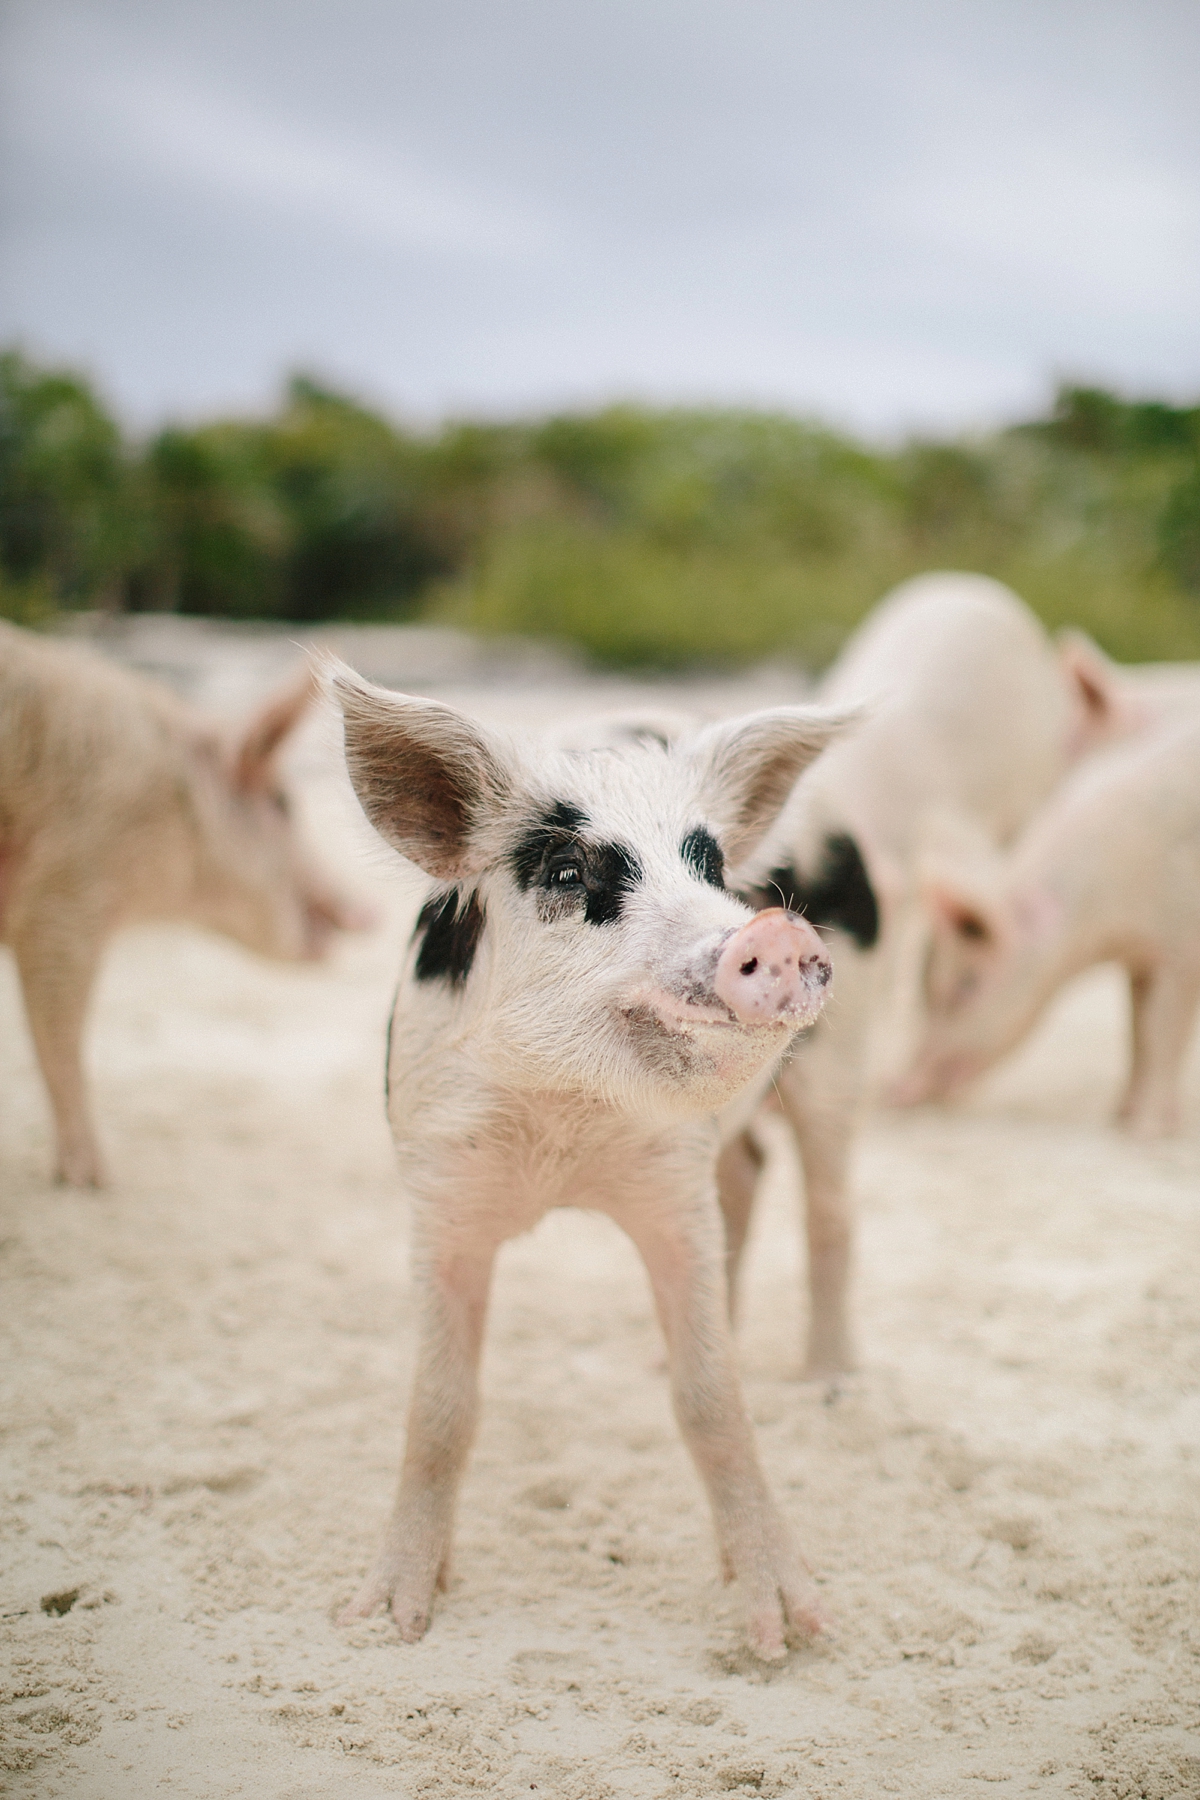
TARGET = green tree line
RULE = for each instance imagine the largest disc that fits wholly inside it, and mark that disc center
(655, 537)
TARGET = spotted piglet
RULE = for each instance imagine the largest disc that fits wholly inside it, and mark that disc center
(580, 996)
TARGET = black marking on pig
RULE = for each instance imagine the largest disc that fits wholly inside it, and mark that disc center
(839, 895)
(562, 822)
(449, 927)
(554, 857)
(609, 872)
(703, 855)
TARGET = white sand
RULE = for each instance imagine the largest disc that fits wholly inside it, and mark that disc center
(204, 1397)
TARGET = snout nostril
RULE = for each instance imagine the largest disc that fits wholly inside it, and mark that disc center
(748, 968)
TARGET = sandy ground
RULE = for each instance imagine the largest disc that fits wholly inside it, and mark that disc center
(204, 1385)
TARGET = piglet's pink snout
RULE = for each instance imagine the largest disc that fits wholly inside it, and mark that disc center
(773, 969)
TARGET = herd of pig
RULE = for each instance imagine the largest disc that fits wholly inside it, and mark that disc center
(636, 934)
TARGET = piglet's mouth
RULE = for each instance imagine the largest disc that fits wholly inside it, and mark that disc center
(687, 1017)
(676, 1014)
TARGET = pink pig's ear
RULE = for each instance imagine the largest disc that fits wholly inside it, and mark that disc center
(750, 766)
(1103, 709)
(428, 778)
(960, 908)
(275, 719)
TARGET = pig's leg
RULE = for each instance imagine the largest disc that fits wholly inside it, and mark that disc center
(57, 969)
(1164, 1003)
(414, 1558)
(738, 1169)
(683, 1254)
(820, 1091)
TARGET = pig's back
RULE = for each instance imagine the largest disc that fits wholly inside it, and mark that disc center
(1121, 837)
(83, 744)
(967, 711)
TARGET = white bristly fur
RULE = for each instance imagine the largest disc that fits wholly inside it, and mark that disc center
(577, 1064)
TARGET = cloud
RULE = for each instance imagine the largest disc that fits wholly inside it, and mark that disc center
(1079, 221)
(883, 213)
(143, 116)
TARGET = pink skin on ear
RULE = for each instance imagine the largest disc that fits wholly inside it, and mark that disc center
(1104, 708)
(956, 913)
(264, 736)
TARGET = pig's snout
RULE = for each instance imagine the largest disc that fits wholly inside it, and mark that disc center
(773, 968)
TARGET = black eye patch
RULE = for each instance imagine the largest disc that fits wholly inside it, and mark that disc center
(839, 894)
(553, 857)
(704, 856)
(560, 823)
(449, 927)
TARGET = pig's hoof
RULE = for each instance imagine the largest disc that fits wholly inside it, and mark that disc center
(412, 1622)
(410, 1614)
(825, 1362)
(826, 1371)
(365, 1604)
(781, 1607)
(1148, 1128)
(81, 1173)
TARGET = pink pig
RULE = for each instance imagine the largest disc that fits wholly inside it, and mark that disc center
(1107, 871)
(582, 993)
(118, 803)
(971, 717)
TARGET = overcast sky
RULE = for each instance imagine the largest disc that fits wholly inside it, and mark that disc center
(891, 213)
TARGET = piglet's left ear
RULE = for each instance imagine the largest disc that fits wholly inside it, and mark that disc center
(752, 764)
(269, 726)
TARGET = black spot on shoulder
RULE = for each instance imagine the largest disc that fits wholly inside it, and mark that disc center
(449, 927)
(555, 857)
(839, 894)
(703, 854)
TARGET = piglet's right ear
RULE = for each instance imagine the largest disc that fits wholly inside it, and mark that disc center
(428, 778)
(751, 764)
(958, 906)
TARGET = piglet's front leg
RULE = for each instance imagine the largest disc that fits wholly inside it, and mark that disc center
(682, 1251)
(414, 1558)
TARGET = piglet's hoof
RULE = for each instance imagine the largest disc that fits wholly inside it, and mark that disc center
(406, 1596)
(412, 1621)
(780, 1604)
(80, 1171)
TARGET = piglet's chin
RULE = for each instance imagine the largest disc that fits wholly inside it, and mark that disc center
(689, 1017)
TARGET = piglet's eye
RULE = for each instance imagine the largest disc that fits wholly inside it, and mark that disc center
(568, 876)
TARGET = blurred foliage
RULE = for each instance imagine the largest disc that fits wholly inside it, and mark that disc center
(646, 537)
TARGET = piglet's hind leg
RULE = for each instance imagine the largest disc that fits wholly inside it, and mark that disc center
(739, 1168)
(57, 968)
(683, 1254)
(1164, 1003)
(414, 1558)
